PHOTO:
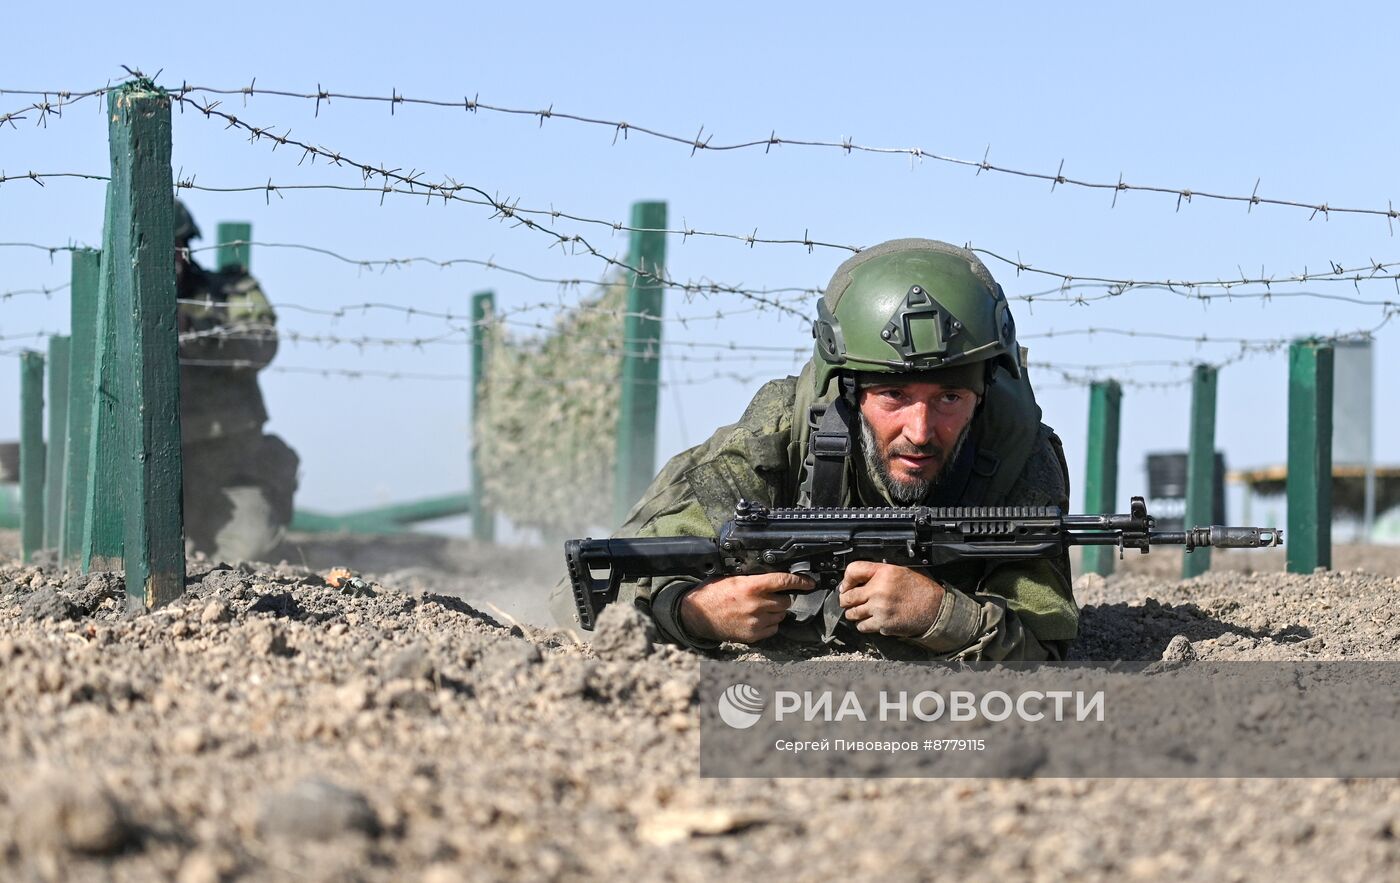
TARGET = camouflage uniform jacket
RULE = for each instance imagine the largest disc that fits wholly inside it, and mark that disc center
(232, 323)
(991, 610)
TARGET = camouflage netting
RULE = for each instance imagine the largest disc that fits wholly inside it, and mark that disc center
(548, 423)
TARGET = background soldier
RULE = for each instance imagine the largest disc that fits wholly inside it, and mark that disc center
(238, 482)
(916, 394)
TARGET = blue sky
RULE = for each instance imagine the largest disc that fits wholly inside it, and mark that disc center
(1192, 96)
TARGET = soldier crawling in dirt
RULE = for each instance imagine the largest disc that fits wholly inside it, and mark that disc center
(919, 386)
(238, 482)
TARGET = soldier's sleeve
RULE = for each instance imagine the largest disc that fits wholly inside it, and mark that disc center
(1014, 611)
(696, 492)
(239, 329)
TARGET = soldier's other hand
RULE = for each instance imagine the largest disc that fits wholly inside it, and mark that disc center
(888, 599)
(744, 608)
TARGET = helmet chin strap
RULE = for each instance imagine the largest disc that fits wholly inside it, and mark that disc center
(829, 448)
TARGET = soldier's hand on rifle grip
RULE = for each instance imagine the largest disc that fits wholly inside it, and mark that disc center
(888, 599)
(744, 608)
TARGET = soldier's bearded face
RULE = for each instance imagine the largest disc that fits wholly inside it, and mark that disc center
(910, 432)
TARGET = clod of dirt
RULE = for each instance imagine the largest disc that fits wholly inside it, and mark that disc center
(206, 866)
(89, 591)
(314, 809)
(49, 603)
(215, 611)
(269, 640)
(224, 581)
(623, 632)
(508, 656)
(412, 663)
(1179, 649)
(64, 815)
(671, 826)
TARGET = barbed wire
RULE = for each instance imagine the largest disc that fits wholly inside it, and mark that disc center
(46, 291)
(377, 374)
(341, 312)
(723, 355)
(47, 105)
(702, 142)
(1195, 289)
(457, 335)
(27, 335)
(53, 250)
(447, 190)
(1186, 338)
(782, 297)
(703, 286)
(1373, 271)
(40, 177)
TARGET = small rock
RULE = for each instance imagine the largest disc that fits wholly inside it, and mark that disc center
(1089, 582)
(623, 632)
(678, 693)
(353, 697)
(47, 603)
(412, 663)
(509, 655)
(444, 873)
(100, 586)
(669, 826)
(1179, 649)
(406, 696)
(206, 866)
(269, 640)
(315, 809)
(224, 581)
(68, 815)
(214, 611)
(189, 740)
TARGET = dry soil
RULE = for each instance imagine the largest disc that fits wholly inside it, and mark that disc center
(422, 724)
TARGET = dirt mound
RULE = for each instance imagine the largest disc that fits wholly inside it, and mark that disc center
(268, 725)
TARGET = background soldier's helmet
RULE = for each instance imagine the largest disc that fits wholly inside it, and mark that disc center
(185, 227)
(913, 305)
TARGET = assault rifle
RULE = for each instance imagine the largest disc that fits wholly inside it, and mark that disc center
(821, 542)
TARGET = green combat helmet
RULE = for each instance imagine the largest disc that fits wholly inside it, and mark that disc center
(913, 305)
(185, 227)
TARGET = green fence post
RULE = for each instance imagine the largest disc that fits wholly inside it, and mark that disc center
(141, 244)
(82, 349)
(31, 453)
(1101, 470)
(58, 442)
(483, 518)
(641, 358)
(1200, 466)
(1309, 534)
(102, 500)
(235, 245)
